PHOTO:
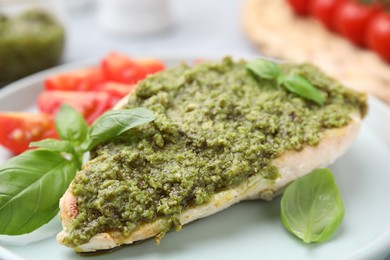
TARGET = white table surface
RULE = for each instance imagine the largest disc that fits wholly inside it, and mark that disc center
(201, 26)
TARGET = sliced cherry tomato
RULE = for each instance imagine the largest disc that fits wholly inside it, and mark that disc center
(378, 35)
(324, 11)
(90, 104)
(18, 129)
(351, 20)
(116, 90)
(84, 79)
(300, 7)
(120, 68)
(150, 66)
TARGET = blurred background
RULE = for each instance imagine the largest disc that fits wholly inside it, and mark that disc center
(63, 31)
(31, 41)
(200, 26)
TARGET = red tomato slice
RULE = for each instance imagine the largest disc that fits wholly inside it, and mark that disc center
(150, 66)
(352, 18)
(18, 129)
(116, 90)
(84, 79)
(324, 11)
(378, 35)
(300, 7)
(120, 68)
(90, 104)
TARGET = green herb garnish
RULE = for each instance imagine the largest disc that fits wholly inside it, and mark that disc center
(264, 69)
(293, 83)
(32, 183)
(303, 88)
(311, 207)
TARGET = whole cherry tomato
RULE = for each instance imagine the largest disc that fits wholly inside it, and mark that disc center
(300, 7)
(351, 20)
(324, 11)
(378, 35)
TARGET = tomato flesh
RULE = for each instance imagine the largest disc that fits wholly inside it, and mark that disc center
(150, 66)
(122, 69)
(116, 90)
(18, 129)
(83, 80)
(90, 104)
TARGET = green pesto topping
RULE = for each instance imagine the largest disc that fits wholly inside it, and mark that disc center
(216, 125)
(29, 42)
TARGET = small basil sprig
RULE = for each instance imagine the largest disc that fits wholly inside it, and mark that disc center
(30, 186)
(293, 83)
(264, 69)
(311, 207)
(114, 123)
(71, 125)
(32, 183)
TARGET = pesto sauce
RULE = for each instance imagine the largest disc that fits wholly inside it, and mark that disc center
(29, 42)
(216, 125)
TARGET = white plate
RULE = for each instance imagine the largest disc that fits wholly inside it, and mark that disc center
(253, 230)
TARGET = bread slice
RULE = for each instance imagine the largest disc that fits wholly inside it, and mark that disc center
(270, 24)
(291, 165)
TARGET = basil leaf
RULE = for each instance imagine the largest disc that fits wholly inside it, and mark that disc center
(54, 145)
(264, 69)
(30, 186)
(302, 87)
(311, 207)
(71, 125)
(115, 122)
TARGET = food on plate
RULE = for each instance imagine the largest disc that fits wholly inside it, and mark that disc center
(223, 132)
(309, 41)
(29, 42)
(18, 129)
(116, 90)
(90, 104)
(78, 80)
(46, 172)
(120, 68)
(311, 207)
(91, 91)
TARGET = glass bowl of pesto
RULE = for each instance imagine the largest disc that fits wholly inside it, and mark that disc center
(31, 37)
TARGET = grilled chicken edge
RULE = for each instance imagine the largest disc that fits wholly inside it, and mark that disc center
(291, 165)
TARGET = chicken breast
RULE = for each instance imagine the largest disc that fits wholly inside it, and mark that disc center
(290, 165)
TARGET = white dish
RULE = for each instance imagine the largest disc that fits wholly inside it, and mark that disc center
(253, 230)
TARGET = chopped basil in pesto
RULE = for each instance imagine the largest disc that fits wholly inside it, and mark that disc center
(215, 126)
